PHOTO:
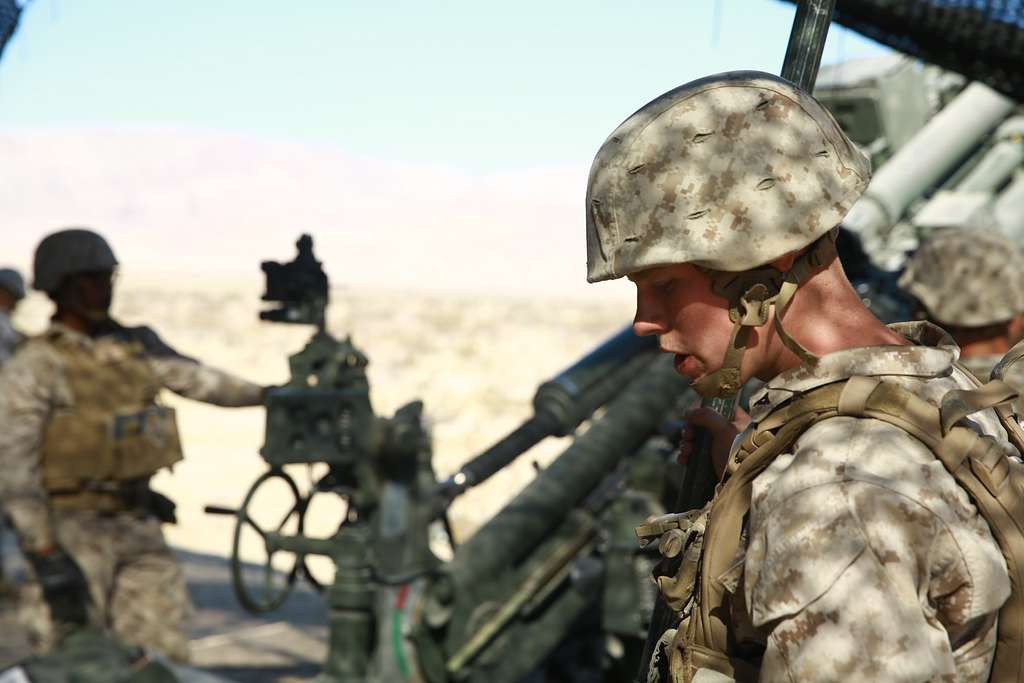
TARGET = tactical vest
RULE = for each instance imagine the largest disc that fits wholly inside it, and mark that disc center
(980, 464)
(114, 434)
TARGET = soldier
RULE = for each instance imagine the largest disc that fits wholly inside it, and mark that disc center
(12, 291)
(838, 547)
(81, 433)
(971, 284)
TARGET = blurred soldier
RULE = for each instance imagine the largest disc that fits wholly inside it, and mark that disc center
(838, 547)
(81, 433)
(971, 284)
(12, 290)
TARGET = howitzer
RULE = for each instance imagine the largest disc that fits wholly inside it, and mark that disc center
(556, 569)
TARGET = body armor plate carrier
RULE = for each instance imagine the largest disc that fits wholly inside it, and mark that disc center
(114, 436)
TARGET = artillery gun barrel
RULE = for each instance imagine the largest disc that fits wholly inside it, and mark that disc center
(522, 524)
(999, 162)
(928, 157)
(1009, 209)
(561, 404)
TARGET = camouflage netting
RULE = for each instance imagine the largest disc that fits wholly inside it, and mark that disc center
(9, 12)
(981, 39)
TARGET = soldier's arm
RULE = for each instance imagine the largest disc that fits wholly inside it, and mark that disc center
(195, 380)
(27, 394)
(866, 575)
(191, 378)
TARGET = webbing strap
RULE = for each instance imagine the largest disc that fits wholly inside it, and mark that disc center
(781, 306)
(751, 296)
(854, 396)
(706, 626)
(986, 478)
(1011, 357)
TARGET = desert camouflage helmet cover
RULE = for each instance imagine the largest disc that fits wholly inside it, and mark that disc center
(727, 172)
(967, 278)
(69, 252)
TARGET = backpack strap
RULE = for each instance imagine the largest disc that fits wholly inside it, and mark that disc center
(979, 463)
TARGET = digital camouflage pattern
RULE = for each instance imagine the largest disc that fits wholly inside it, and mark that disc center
(862, 558)
(33, 388)
(967, 278)
(728, 172)
(137, 587)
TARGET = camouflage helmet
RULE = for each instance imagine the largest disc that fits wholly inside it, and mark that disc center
(967, 278)
(12, 281)
(69, 252)
(728, 172)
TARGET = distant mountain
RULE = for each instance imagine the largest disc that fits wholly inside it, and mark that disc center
(185, 205)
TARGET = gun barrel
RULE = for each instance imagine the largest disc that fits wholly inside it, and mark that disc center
(576, 392)
(928, 157)
(561, 404)
(522, 524)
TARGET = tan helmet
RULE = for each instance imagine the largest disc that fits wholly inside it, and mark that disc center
(69, 252)
(728, 173)
(967, 278)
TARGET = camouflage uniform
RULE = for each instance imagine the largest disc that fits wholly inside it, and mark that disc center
(11, 282)
(980, 366)
(136, 584)
(860, 557)
(864, 559)
(9, 337)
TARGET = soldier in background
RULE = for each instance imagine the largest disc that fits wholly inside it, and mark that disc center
(12, 290)
(837, 546)
(971, 284)
(81, 433)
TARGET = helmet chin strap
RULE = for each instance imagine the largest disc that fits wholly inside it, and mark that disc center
(751, 295)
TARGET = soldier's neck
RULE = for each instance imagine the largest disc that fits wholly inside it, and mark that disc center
(996, 346)
(826, 316)
(74, 321)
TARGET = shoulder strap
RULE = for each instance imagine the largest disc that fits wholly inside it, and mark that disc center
(978, 463)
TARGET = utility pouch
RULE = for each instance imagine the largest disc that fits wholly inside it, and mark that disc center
(85, 445)
(680, 538)
(145, 442)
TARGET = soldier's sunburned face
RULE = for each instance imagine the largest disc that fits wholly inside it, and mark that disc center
(692, 322)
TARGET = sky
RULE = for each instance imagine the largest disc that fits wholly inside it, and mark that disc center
(477, 85)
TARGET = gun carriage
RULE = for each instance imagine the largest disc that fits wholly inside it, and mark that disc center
(557, 567)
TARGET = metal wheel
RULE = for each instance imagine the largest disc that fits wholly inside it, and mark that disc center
(265, 588)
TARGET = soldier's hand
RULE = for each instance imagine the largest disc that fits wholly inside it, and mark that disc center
(64, 586)
(722, 432)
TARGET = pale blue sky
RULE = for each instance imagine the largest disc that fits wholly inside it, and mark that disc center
(475, 84)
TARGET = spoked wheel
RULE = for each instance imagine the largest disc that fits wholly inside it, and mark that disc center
(325, 505)
(264, 588)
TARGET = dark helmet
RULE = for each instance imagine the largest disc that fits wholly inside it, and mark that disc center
(69, 252)
(12, 281)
